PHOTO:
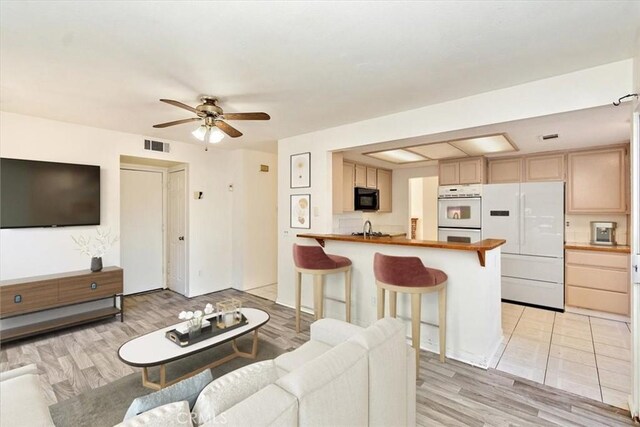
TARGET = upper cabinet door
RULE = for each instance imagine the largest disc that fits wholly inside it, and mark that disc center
(549, 167)
(596, 181)
(471, 171)
(372, 178)
(384, 186)
(348, 181)
(503, 171)
(449, 173)
(361, 176)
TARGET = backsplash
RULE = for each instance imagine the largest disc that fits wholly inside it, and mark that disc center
(579, 228)
(348, 223)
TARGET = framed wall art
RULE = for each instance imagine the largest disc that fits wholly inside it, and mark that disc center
(300, 211)
(300, 169)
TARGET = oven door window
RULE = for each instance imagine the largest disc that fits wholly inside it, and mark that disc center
(458, 212)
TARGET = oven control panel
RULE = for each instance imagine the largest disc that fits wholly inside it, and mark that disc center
(457, 191)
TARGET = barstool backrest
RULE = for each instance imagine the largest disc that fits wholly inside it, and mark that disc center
(405, 271)
(311, 257)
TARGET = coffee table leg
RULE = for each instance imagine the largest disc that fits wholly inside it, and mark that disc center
(254, 348)
(151, 384)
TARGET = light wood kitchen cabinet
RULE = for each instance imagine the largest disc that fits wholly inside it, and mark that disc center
(597, 281)
(597, 181)
(461, 171)
(360, 176)
(372, 177)
(548, 167)
(384, 187)
(348, 180)
(504, 170)
(448, 173)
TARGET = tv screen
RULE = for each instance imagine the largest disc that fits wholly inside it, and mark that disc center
(46, 194)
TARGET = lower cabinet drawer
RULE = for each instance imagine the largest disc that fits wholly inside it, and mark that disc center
(595, 299)
(26, 298)
(597, 278)
(88, 288)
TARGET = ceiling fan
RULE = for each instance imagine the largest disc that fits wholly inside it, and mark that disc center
(213, 117)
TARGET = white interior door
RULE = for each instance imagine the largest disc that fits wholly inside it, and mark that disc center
(542, 219)
(141, 235)
(176, 231)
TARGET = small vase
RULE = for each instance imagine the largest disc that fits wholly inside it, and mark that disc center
(195, 329)
(96, 264)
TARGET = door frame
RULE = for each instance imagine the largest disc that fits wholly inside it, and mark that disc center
(634, 398)
(183, 167)
(164, 172)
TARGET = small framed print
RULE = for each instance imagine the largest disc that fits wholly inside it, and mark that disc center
(300, 169)
(300, 211)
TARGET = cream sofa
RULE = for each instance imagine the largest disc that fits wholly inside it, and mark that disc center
(21, 400)
(344, 376)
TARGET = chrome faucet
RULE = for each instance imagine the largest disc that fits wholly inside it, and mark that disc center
(364, 229)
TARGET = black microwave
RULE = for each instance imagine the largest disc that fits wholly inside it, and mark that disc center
(366, 199)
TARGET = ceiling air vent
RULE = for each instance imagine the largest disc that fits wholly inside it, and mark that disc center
(549, 136)
(156, 146)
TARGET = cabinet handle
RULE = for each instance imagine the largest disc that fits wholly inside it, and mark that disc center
(94, 286)
(17, 299)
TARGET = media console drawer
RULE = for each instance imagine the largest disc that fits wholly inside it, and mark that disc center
(28, 297)
(89, 287)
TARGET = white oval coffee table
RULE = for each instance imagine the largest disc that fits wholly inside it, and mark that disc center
(155, 349)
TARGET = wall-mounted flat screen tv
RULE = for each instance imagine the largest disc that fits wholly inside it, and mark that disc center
(46, 194)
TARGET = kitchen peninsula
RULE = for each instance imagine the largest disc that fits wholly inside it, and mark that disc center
(474, 330)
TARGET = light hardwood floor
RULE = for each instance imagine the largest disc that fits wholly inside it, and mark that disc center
(451, 394)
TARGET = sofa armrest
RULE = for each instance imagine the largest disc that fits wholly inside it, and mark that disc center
(333, 332)
(23, 370)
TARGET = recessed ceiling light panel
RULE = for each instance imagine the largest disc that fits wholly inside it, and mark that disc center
(484, 145)
(397, 156)
(441, 150)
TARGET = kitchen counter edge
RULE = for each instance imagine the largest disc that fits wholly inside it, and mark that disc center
(621, 249)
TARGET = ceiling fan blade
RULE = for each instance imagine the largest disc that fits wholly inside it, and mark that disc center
(228, 129)
(177, 122)
(246, 116)
(180, 105)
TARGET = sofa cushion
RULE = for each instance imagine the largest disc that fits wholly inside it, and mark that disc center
(292, 360)
(174, 414)
(271, 406)
(333, 332)
(22, 402)
(386, 345)
(234, 387)
(188, 390)
(23, 370)
(332, 389)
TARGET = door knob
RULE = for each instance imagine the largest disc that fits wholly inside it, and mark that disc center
(181, 238)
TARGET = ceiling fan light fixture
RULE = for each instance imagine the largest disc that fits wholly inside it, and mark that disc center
(208, 134)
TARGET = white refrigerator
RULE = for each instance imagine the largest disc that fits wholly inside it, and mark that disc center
(530, 217)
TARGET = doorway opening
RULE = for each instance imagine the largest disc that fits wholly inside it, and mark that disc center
(423, 208)
(153, 224)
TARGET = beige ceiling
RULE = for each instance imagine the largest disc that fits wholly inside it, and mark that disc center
(310, 65)
(577, 129)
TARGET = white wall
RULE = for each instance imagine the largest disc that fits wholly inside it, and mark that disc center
(574, 91)
(28, 252)
(255, 236)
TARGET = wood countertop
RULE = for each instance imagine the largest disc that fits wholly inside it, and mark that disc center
(479, 247)
(621, 249)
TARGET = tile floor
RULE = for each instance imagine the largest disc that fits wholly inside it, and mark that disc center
(585, 355)
(269, 292)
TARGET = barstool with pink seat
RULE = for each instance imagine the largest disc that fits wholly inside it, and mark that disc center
(313, 260)
(408, 275)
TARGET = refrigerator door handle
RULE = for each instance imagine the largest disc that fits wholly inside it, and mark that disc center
(522, 220)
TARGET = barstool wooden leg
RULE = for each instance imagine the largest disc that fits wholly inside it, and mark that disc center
(393, 301)
(347, 290)
(415, 327)
(318, 300)
(380, 302)
(298, 299)
(442, 311)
